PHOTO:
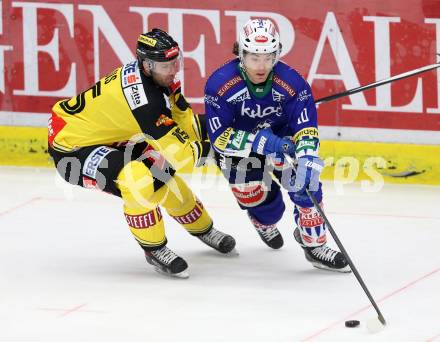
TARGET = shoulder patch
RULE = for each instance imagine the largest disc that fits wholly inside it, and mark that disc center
(164, 120)
(130, 74)
(132, 85)
(284, 85)
(228, 85)
(277, 96)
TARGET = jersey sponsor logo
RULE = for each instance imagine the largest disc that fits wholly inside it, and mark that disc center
(309, 218)
(258, 113)
(94, 159)
(223, 139)
(212, 101)
(306, 144)
(284, 85)
(130, 74)
(308, 131)
(191, 217)
(303, 95)
(164, 121)
(249, 195)
(239, 96)
(147, 40)
(144, 221)
(228, 85)
(240, 139)
(135, 96)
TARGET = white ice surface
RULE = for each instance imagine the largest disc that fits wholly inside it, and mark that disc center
(71, 271)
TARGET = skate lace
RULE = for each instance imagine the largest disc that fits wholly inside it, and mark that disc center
(267, 231)
(324, 253)
(164, 255)
(213, 237)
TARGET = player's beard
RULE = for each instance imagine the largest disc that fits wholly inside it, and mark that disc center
(163, 80)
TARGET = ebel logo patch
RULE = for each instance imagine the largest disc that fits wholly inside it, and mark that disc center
(164, 121)
(260, 113)
(277, 96)
(135, 96)
(94, 159)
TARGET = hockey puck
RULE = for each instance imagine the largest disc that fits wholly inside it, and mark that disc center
(352, 324)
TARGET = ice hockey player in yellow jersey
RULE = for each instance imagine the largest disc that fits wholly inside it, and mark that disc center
(127, 135)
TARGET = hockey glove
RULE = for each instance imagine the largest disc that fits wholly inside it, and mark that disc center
(266, 142)
(307, 174)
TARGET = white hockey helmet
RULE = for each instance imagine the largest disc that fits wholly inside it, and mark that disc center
(259, 36)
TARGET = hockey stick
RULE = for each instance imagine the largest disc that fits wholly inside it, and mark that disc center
(341, 247)
(378, 83)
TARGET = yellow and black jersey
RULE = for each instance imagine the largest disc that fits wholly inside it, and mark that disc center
(127, 106)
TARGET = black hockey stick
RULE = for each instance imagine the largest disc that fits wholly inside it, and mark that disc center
(341, 247)
(378, 83)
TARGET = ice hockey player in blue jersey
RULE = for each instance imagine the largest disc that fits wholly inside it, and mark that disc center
(259, 109)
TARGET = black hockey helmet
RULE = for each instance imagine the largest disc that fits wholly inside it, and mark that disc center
(157, 45)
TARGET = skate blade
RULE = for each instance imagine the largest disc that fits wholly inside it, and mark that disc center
(345, 269)
(181, 275)
(232, 253)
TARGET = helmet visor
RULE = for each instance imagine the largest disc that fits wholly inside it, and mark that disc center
(167, 68)
(259, 61)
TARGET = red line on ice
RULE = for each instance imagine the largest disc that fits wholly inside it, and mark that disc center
(76, 308)
(332, 325)
(8, 211)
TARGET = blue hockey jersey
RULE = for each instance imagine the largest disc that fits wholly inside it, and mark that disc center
(235, 113)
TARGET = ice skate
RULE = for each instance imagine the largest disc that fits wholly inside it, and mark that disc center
(221, 242)
(323, 257)
(166, 262)
(270, 235)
